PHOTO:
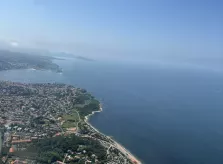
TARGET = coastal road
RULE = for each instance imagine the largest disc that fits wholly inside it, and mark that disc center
(116, 145)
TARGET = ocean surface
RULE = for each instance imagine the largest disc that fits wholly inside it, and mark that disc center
(163, 115)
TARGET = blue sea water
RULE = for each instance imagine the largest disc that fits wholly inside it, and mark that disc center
(163, 115)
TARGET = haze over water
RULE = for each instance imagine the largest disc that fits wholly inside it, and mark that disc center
(162, 115)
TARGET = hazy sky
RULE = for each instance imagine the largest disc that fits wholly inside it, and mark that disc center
(165, 30)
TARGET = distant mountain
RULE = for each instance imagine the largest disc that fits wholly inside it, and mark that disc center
(84, 58)
(42, 52)
(69, 55)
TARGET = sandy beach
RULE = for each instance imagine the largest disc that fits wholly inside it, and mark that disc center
(116, 144)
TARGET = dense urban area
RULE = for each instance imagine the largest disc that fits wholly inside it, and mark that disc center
(47, 124)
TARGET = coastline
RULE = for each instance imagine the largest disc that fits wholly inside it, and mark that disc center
(116, 144)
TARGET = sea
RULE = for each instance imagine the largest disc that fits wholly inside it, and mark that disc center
(161, 114)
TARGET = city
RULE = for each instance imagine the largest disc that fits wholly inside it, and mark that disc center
(35, 114)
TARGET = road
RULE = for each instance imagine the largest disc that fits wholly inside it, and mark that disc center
(79, 119)
(57, 124)
(65, 158)
(126, 153)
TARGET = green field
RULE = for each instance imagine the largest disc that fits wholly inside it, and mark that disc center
(70, 120)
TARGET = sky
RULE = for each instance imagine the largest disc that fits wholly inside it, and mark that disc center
(174, 31)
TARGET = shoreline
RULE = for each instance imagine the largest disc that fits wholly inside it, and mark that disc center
(119, 146)
(112, 143)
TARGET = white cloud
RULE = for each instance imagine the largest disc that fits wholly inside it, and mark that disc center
(14, 44)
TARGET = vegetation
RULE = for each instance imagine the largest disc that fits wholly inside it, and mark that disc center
(44, 114)
(82, 98)
(85, 103)
(72, 118)
(51, 150)
(93, 105)
(68, 124)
